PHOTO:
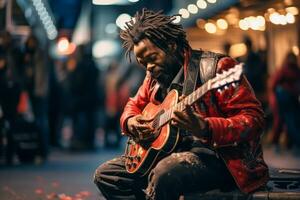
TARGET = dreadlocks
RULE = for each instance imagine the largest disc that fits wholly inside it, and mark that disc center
(155, 26)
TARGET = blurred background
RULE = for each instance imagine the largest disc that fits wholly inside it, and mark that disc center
(64, 81)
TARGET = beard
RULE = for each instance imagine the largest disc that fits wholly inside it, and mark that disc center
(171, 68)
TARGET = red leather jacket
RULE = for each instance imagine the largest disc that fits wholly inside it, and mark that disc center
(236, 121)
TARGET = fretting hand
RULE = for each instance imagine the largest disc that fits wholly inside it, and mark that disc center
(191, 121)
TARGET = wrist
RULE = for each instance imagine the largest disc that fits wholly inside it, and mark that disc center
(129, 126)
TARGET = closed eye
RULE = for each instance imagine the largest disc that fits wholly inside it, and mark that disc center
(151, 58)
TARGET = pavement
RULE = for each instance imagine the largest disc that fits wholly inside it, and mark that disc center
(69, 175)
(65, 176)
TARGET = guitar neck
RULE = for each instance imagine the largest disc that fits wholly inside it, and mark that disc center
(230, 76)
(187, 101)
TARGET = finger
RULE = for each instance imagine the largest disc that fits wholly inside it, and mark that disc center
(180, 121)
(142, 127)
(135, 133)
(194, 116)
(191, 113)
(181, 124)
(180, 116)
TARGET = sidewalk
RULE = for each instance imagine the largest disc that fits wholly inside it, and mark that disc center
(66, 176)
(69, 176)
(282, 158)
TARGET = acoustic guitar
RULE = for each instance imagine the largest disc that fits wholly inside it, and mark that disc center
(140, 157)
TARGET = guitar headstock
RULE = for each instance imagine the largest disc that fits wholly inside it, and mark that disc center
(227, 77)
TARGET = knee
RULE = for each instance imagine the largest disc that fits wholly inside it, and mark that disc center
(98, 174)
(161, 183)
(161, 176)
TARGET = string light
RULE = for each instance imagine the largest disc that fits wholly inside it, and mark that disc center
(201, 4)
(222, 24)
(211, 1)
(184, 13)
(192, 8)
(45, 18)
(210, 27)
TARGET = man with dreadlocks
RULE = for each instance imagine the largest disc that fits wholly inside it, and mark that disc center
(219, 146)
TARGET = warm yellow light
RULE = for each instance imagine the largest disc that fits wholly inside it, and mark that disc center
(262, 28)
(64, 47)
(261, 20)
(177, 19)
(222, 24)
(283, 20)
(201, 4)
(238, 50)
(290, 18)
(201, 23)
(243, 24)
(211, 1)
(192, 8)
(122, 19)
(210, 27)
(275, 18)
(292, 10)
(288, 2)
(63, 44)
(232, 18)
(184, 13)
(295, 50)
(271, 10)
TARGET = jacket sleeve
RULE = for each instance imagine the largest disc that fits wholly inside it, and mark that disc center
(243, 118)
(136, 104)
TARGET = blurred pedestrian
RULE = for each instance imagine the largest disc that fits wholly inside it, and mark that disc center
(82, 98)
(284, 101)
(36, 82)
(254, 68)
(10, 91)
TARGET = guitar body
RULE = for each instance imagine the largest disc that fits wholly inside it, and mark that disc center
(140, 158)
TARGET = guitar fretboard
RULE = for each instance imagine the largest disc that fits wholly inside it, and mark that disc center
(188, 100)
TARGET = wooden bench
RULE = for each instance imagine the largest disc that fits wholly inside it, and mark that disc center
(283, 185)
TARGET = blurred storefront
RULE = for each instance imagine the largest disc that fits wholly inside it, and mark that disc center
(272, 26)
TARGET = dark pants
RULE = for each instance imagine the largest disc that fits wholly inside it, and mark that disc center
(173, 176)
(289, 111)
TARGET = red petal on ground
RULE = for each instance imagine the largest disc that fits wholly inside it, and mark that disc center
(85, 193)
(39, 191)
(64, 197)
(78, 195)
(52, 196)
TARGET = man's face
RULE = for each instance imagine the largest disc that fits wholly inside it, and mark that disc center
(160, 65)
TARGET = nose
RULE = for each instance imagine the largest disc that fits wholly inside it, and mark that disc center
(150, 67)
